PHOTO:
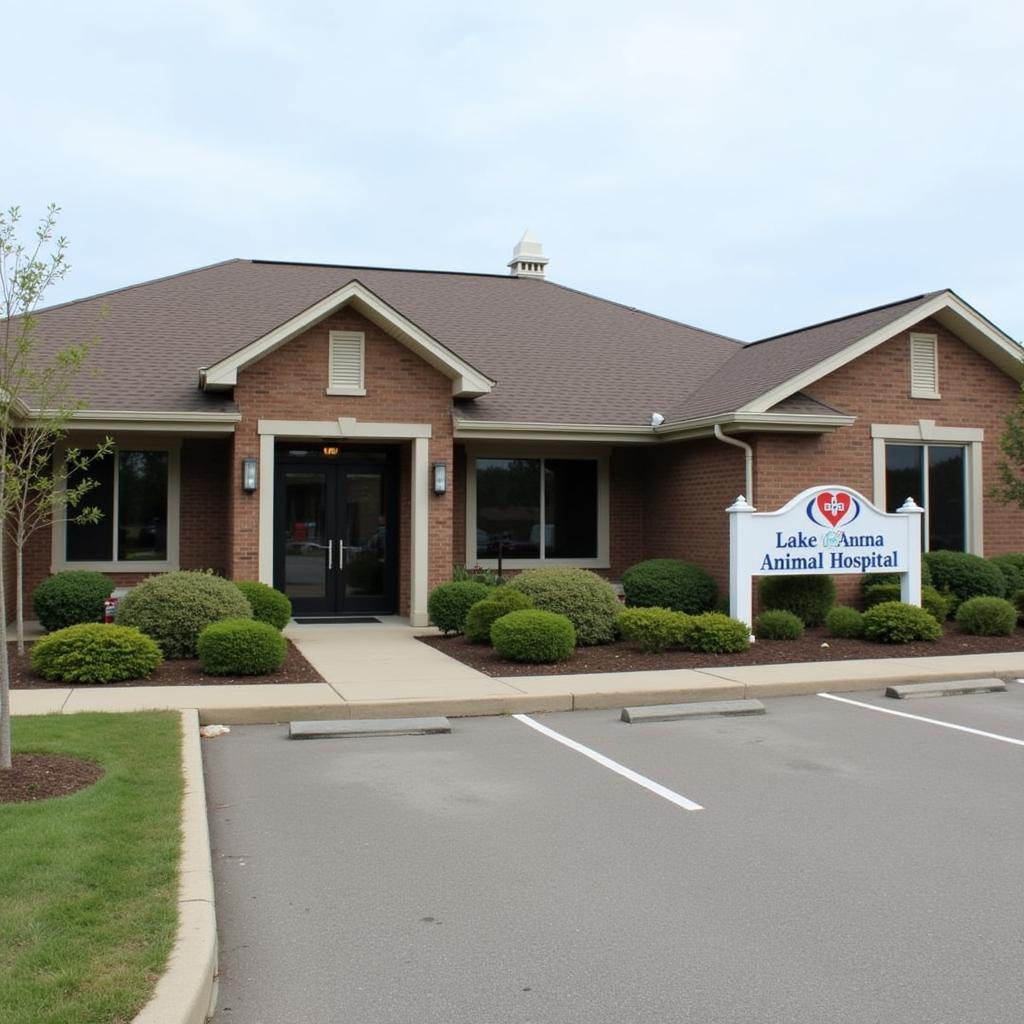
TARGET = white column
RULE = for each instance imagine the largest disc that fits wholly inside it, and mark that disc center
(266, 509)
(740, 596)
(419, 513)
(910, 581)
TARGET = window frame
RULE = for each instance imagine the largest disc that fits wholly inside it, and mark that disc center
(925, 432)
(172, 446)
(501, 451)
(356, 336)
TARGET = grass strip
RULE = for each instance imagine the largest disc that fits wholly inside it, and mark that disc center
(89, 883)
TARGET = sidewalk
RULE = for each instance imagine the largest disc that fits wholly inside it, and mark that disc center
(380, 670)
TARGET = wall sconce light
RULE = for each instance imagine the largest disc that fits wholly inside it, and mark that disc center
(250, 475)
(440, 477)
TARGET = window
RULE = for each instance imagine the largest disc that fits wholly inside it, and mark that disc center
(935, 476)
(924, 366)
(136, 493)
(346, 363)
(940, 468)
(538, 509)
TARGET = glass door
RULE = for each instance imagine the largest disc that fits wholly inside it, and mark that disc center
(336, 549)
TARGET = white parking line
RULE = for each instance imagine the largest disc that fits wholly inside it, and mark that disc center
(627, 773)
(921, 718)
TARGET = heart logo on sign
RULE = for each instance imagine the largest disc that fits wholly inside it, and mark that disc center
(834, 505)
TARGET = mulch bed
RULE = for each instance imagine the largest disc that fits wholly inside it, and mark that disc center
(815, 645)
(41, 776)
(183, 672)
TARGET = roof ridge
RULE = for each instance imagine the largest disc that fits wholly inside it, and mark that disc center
(850, 316)
(138, 284)
(644, 312)
(390, 270)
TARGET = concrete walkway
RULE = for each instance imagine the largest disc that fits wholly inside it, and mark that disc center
(380, 670)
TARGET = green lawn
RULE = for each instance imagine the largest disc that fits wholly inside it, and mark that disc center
(88, 882)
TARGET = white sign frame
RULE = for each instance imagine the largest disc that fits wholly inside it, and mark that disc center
(809, 536)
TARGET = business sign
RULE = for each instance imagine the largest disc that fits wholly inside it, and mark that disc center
(831, 530)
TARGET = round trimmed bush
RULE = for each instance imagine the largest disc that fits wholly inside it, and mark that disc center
(715, 633)
(653, 630)
(987, 616)
(844, 622)
(241, 647)
(894, 623)
(268, 604)
(808, 597)
(1018, 601)
(1012, 568)
(449, 603)
(872, 579)
(935, 604)
(931, 600)
(94, 653)
(68, 598)
(777, 624)
(484, 613)
(583, 597)
(175, 608)
(669, 583)
(964, 576)
(535, 636)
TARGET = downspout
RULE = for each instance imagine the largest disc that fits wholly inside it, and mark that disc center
(748, 461)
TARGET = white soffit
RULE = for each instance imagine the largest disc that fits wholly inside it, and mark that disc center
(948, 309)
(467, 381)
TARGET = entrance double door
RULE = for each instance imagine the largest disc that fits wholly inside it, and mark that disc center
(336, 535)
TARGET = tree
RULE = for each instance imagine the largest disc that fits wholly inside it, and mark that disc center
(1010, 488)
(37, 401)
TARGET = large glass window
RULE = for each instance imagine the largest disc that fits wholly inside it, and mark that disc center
(131, 493)
(536, 508)
(935, 476)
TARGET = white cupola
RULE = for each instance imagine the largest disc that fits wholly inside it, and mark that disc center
(528, 259)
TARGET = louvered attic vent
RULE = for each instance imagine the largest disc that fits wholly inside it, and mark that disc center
(924, 366)
(346, 364)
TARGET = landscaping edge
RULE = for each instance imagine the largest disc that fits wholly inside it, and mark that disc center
(186, 992)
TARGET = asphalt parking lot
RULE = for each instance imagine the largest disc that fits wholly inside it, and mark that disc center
(846, 865)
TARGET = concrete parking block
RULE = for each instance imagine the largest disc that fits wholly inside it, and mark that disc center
(698, 709)
(956, 688)
(369, 727)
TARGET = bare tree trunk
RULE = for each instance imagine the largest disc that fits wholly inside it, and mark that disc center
(19, 595)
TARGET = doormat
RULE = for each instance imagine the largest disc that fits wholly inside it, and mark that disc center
(335, 620)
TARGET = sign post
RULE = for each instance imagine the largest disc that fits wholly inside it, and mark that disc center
(830, 530)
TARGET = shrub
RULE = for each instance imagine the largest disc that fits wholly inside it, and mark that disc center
(964, 576)
(879, 592)
(669, 583)
(987, 616)
(583, 597)
(483, 614)
(1012, 568)
(449, 603)
(715, 633)
(534, 636)
(654, 629)
(894, 623)
(1018, 600)
(777, 624)
(931, 600)
(268, 604)
(241, 647)
(94, 653)
(462, 574)
(175, 608)
(845, 622)
(872, 579)
(69, 598)
(808, 597)
(935, 604)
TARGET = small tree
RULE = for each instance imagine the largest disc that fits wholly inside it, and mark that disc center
(1010, 488)
(36, 405)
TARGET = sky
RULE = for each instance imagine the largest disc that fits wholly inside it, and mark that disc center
(745, 167)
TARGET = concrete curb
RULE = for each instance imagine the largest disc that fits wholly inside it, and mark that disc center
(187, 991)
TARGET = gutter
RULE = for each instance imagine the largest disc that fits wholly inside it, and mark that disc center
(748, 467)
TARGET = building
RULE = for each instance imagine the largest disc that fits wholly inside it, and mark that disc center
(350, 434)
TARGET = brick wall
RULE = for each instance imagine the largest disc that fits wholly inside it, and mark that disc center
(289, 384)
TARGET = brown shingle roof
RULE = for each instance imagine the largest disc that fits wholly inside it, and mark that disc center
(558, 355)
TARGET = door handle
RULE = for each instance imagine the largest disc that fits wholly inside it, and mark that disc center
(341, 554)
(330, 555)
